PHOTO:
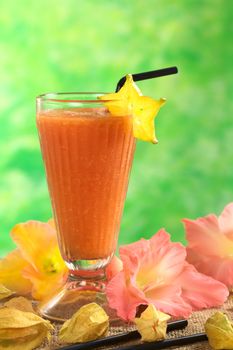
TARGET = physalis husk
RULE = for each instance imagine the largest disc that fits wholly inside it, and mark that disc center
(219, 330)
(90, 322)
(129, 101)
(20, 303)
(152, 324)
(4, 292)
(22, 330)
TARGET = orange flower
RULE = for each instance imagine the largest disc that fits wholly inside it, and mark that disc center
(36, 266)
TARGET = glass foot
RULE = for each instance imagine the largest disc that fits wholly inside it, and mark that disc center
(74, 295)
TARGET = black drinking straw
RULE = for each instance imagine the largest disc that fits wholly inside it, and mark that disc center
(148, 75)
(122, 337)
(167, 343)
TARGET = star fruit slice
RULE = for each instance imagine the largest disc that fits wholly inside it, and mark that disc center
(129, 101)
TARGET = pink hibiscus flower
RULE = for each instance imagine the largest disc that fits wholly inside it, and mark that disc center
(210, 245)
(155, 272)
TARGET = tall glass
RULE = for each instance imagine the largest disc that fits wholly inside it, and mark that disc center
(87, 155)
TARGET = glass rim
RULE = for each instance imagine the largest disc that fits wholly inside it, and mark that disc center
(60, 97)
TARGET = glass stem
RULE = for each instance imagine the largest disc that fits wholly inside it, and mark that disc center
(80, 275)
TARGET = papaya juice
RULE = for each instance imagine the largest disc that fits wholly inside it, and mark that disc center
(87, 155)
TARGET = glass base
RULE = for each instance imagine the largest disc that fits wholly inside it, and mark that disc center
(83, 266)
(82, 287)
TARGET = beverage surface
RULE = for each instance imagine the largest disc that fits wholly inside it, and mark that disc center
(88, 155)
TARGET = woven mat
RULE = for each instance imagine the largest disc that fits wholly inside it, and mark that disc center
(195, 325)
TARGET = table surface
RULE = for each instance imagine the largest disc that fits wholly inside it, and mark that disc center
(195, 325)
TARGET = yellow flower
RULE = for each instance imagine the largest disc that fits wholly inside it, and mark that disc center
(36, 266)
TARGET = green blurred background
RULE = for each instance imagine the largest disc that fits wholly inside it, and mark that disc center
(72, 45)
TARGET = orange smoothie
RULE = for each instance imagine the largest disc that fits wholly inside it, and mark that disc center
(87, 155)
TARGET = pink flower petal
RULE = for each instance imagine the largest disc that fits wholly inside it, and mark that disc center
(150, 269)
(113, 267)
(169, 300)
(210, 245)
(125, 299)
(219, 268)
(201, 262)
(226, 221)
(204, 235)
(154, 260)
(223, 271)
(132, 253)
(155, 272)
(169, 256)
(201, 291)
